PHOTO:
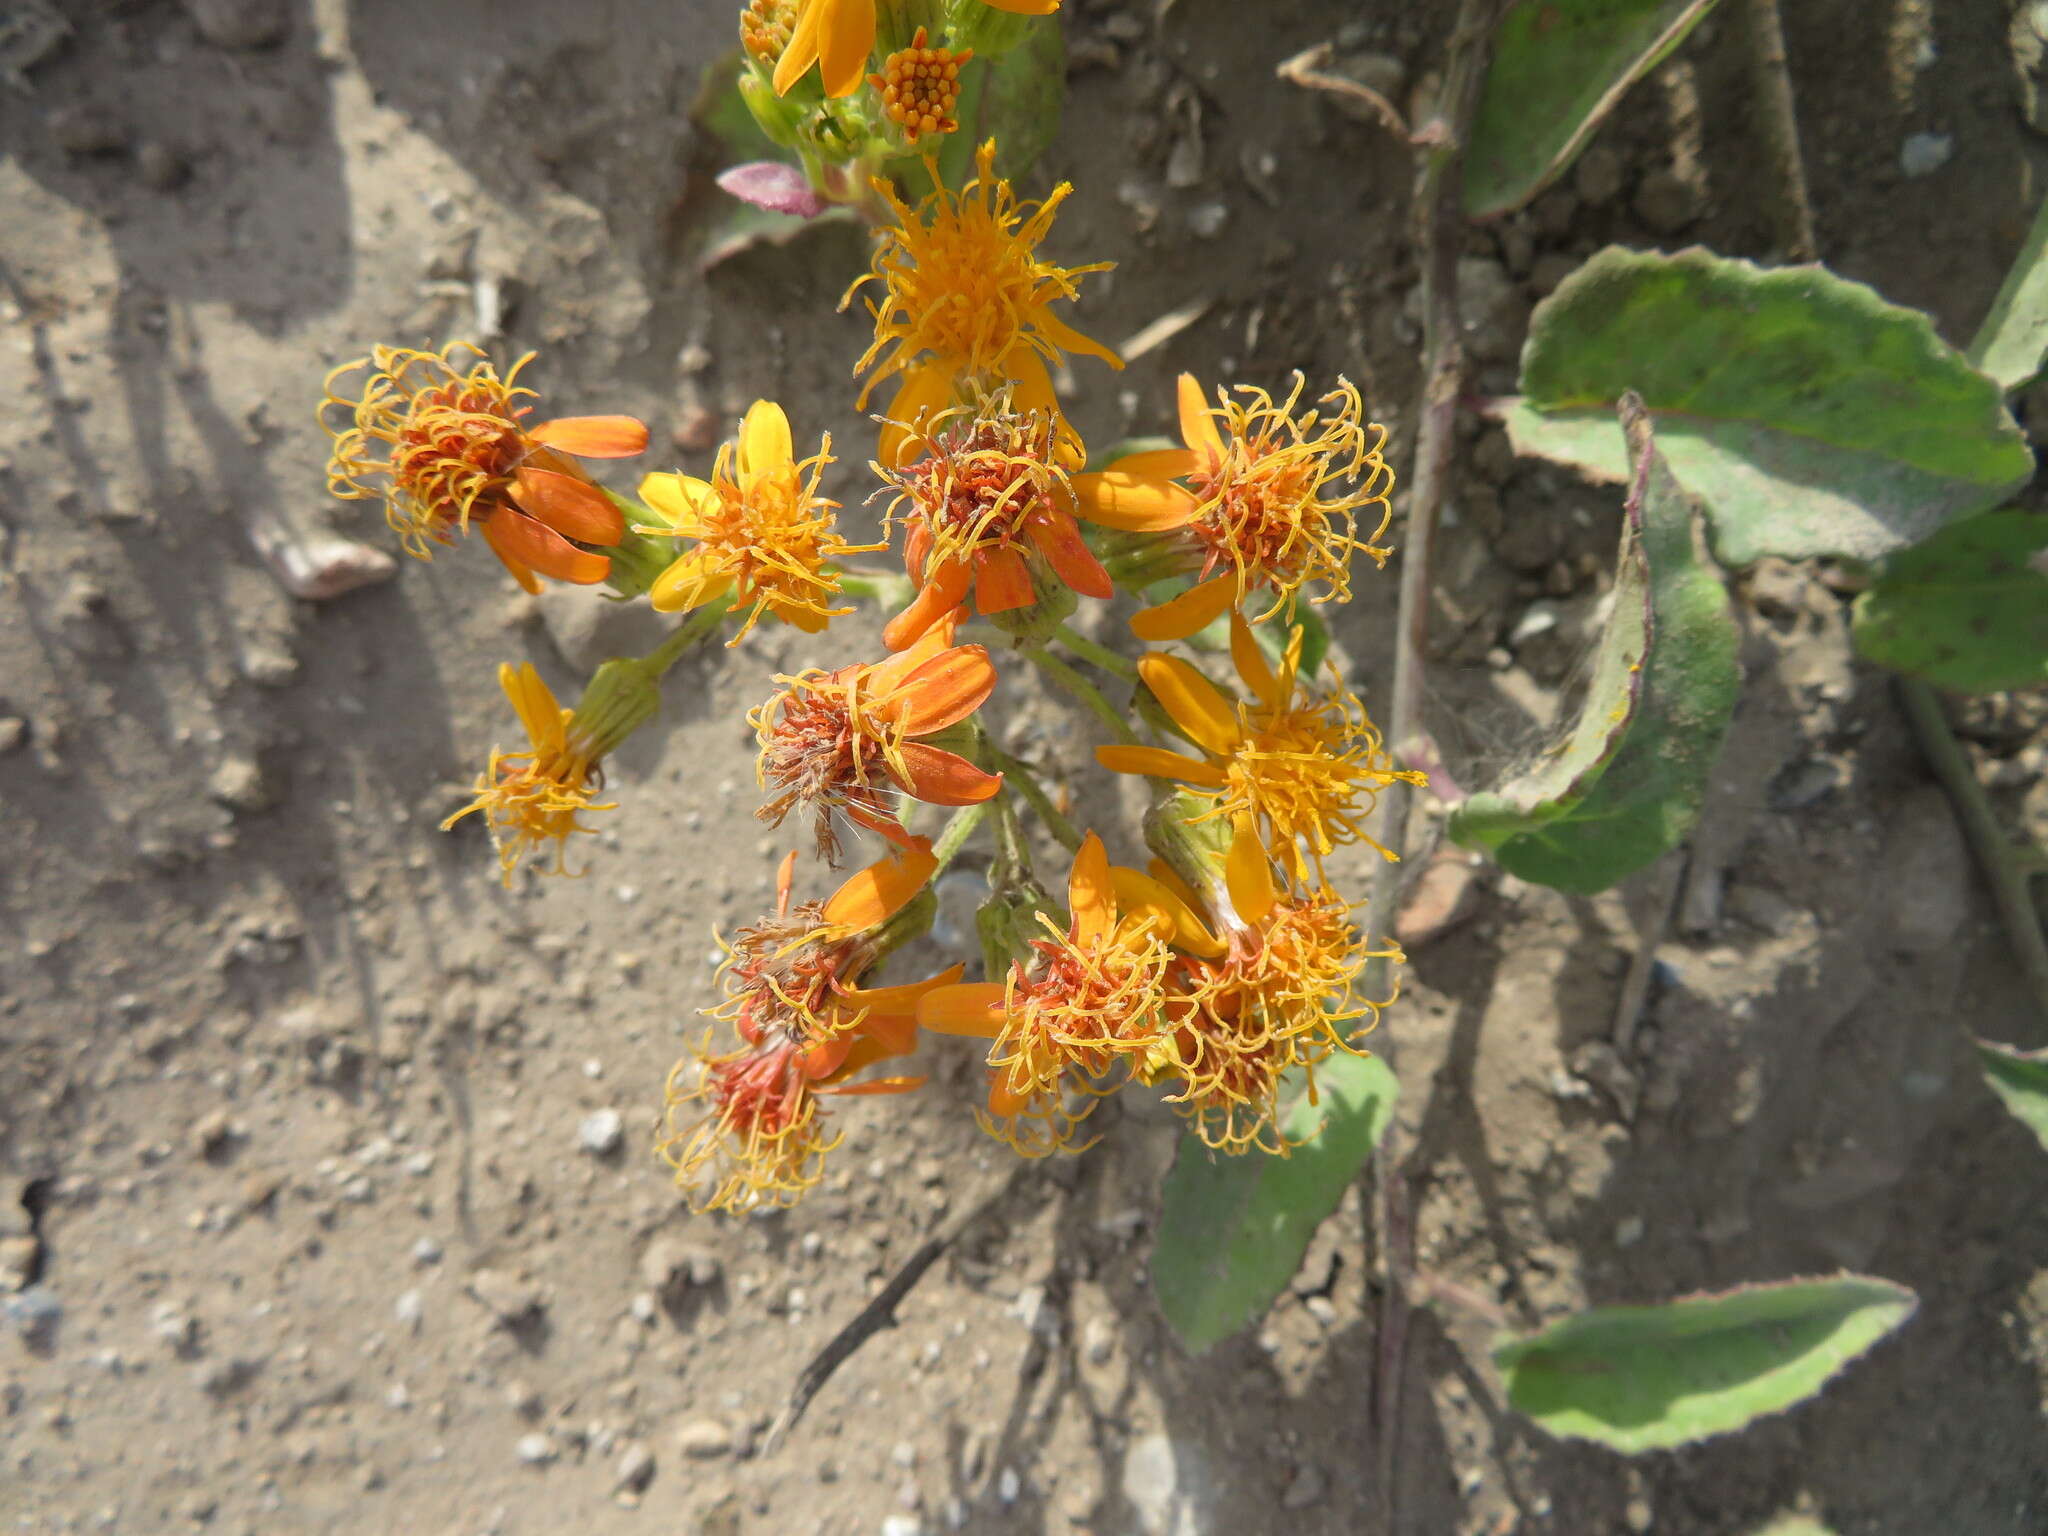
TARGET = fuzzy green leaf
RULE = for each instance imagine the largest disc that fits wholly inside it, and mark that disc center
(1966, 609)
(1810, 416)
(1557, 70)
(1648, 1378)
(2020, 1079)
(2014, 336)
(1626, 784)
(1232, 1230)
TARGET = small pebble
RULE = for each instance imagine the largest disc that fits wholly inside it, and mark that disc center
(601, 1132)
(635, 1469)
(426, 1251)
(409, 1309)
(536, 1449)
(1206, 221)
(1925, 153)
(704, 1439)
(902, 1525)
(1008, 1485)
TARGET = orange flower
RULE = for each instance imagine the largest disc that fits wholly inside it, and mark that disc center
(1259, 507)
(1280, 998)
(751, 1117)
(967, 304)
(1095, 998)
(762, 534)
(837, 35)
(919, 86)
(982, 493)
(842, 741)
(1304, 770)
(535, 797)
(444, 449)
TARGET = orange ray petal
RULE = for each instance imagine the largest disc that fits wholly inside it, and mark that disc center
(884, 677)
(1251, 663)
(593, 437)
(941, 691)
(1059, 540)
(1248, 875)
(848, 38)
(1139, 893)
(1197, 705)
(1170, 877)
(532, 700)
(971, 1008)
(1164, 463)
(1197, 608)
(1090, 896)
(525, 544)
(925, 388)
(802, 51)
(1003, 1100)
(884, 1003)
(878, 892)
(1158, 763)
(1197, 425)
(879, 1085)
(574, 508)
(1067, 339)
(939, 777)
(1026, 7)
(1002, 582)
(826, 1057)
(944, 586)
(765, 443)
(1117, 498)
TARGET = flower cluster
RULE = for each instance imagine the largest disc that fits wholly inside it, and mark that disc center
(1226, 968)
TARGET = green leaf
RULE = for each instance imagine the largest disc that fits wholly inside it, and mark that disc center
(1232, 1230)
(1647, 1378)
(2014, 336)
(1966, 609)
(1558, 68)
(1810, 416)
(1627, 783)
(2020, 1078)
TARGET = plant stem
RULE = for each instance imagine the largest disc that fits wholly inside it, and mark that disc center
(1019, 774)
(683, 638)
(959, 827)
(1077, 685)
(1778, 117)
(1100, 656)
(2006, 868)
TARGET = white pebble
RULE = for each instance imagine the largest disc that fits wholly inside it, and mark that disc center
(409, 1309)
(600, 1132)
(536, 1450)
(426, 1251)
(1925, 153)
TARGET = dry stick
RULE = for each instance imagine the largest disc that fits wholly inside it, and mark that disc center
(2005, 869)
(878, 1314)
(1771, 87)
(1439, 209)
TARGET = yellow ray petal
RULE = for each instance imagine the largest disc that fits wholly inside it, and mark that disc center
(1090, 896)
(1197, 426)
(1248, 875)
(1140, 894)
(1197, 608)
(676, 499)
(765, 444)
(1119, 498)
(1251, 663)
(1197, 705)
(972, 1008)
(1158, 763)
(880, 891)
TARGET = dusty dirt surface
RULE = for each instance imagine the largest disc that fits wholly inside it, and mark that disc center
(305, 1124)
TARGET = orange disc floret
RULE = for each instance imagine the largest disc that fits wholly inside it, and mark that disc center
(445, 447)
(920, 85)
(765, 28)
(848, 742)
(980, 492)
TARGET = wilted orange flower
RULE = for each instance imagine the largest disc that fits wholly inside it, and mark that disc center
(837, 35)
(1260, 505)
(981, 490)
(1305, 770)
(967, 304)
(445, 448)
(763, 536)
(535, 796)
(919, 86)
(751, 1117)
(1095, 998)
(849, 741)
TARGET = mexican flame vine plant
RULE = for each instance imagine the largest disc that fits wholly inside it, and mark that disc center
(1210, 960)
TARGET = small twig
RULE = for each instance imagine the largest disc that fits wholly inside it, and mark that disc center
(1771, 89)
(1662, 901)
(1440, 216)
(1305, 70)
(2006, 868)
(878, 1314)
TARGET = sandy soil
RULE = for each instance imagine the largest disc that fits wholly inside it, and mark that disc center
(293, 1097)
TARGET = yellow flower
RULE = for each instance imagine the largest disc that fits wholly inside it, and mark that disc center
(1262, 505)
(445, 449)
(1095, 998)
(534, 797)
(837, 36)
(763, 536)
(967, 304)
(1304, 769)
